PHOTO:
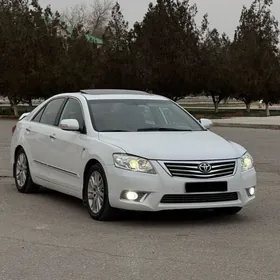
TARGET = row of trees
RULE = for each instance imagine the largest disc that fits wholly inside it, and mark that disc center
(166, 53)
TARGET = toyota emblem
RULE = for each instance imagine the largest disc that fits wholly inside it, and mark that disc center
(205, 167)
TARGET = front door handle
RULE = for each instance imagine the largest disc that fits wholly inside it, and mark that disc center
(28, 129)
(52, 137)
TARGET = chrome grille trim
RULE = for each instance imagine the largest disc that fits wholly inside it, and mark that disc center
(189, 169)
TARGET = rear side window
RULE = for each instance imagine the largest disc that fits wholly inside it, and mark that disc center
(39, 115)
(51, 111)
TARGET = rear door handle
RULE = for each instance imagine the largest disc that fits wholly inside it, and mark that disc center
(28, 129)
(52, 137)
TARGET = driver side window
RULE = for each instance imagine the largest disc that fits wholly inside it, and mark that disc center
(73, 110)
(169, 116)
(147, 114)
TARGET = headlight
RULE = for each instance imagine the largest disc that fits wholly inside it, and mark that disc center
(246, 162)
(133, 163)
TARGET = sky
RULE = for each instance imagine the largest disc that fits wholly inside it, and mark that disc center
(222, 14)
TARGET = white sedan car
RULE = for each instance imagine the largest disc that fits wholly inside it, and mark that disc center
(121, 149)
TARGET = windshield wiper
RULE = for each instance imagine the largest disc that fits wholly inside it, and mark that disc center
(162, 129)
(114, 130)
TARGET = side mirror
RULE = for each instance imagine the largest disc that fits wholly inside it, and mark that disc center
(23, 116)
(206, 123)
(70, 125)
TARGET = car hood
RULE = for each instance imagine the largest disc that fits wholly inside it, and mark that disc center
(194, 145)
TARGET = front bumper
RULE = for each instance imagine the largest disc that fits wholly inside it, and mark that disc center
(161, 184)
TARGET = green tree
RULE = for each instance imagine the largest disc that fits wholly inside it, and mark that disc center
(215, 69)
(270, 92)
(80, 65)
(167, 49)
(255, 44)
(47, 50)
(15, 26)
(115, 57)
(29, 44)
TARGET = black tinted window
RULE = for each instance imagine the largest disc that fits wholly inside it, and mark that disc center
(51, 111)
(73, 110)
(140, 115)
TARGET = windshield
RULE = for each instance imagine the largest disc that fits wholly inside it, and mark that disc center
(127, 115)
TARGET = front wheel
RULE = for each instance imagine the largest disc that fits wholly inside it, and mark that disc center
(96, 194)
(228, 211)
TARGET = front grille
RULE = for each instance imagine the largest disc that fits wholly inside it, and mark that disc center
(199, 198)
(191, 169)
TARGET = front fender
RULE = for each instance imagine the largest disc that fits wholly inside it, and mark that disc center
(240, 150)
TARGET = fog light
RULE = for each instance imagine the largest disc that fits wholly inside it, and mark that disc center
(251, 191)
(131, 195)
(135, 196)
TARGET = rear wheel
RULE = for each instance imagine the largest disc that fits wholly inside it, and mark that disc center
(96, 194)
(228, 211)
(23, 178)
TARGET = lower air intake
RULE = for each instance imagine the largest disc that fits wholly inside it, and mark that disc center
(199, 198)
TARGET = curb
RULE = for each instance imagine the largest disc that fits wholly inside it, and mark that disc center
(248, 125)
(8, 117)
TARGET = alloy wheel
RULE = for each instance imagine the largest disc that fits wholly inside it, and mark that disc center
(21, 170)
(96, 192)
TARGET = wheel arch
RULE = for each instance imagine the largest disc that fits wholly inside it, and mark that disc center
(16, 150)
(90, 162)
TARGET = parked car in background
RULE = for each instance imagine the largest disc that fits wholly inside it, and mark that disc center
(121, 149)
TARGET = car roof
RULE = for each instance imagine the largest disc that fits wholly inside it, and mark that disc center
(107, 94)
(101, 94)
(112, 91)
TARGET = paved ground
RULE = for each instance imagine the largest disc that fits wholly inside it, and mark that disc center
(50, 236)
(250, 122)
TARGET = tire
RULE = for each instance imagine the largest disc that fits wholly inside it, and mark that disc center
(229, 211)
(96, 196)
(22, 174)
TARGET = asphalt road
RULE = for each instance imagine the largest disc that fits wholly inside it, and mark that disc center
(50, 236)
